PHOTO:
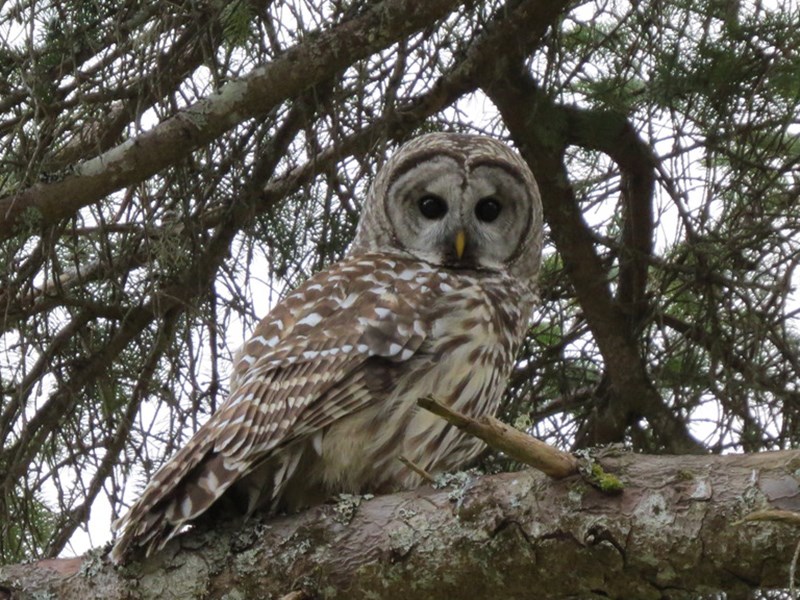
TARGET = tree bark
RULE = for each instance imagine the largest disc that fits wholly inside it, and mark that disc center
(676, 531)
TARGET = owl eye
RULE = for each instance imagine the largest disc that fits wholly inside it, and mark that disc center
(487, 209)
(432, 207)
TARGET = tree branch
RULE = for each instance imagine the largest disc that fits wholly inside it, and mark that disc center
(256, 94)
(679, 528)
(611, 132)
(541, 129)
(170, 297)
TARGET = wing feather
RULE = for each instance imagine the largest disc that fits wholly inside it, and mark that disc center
(303, 369)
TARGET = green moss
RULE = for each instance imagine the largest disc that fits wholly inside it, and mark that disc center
(605, 482)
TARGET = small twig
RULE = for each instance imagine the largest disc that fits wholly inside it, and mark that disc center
(516, 444)
(781, 516)
(417, 469)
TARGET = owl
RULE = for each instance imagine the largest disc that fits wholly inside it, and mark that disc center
(432, 299)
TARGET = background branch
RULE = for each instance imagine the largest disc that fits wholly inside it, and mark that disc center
(202, 122)
(543, 131)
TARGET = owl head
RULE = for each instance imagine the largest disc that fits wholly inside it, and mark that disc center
(458, 202)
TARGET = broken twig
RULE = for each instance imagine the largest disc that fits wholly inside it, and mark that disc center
(516, 444)
(417, 469)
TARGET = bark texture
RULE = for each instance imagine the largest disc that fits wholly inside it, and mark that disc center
(675, 532)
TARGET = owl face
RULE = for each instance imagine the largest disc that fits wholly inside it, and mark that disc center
(458, 215)
(456, 201)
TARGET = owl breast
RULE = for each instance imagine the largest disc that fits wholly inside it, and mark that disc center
(472, 339)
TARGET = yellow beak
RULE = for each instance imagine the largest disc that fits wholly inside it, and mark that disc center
(461, 242)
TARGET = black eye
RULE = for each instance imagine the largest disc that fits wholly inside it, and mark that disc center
(487, 209)
(432, 207)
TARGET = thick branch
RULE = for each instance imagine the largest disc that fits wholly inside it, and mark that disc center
(677, 530)
(611, 132)
(296, 70)
(517, 26)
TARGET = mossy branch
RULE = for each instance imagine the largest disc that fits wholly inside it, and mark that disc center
(563, 538)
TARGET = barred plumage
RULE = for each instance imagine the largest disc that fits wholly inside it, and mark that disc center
(433, 300)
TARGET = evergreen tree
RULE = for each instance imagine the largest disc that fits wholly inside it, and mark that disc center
(169, 169)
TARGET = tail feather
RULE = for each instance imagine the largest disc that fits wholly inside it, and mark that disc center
(179, 492)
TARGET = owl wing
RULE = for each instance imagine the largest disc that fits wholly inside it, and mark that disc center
(305, 351)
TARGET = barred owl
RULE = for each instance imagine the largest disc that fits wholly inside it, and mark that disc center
(432, 300)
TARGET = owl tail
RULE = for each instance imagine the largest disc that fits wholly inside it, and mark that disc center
(165, 508)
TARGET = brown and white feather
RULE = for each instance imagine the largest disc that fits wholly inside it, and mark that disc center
(323, 395)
